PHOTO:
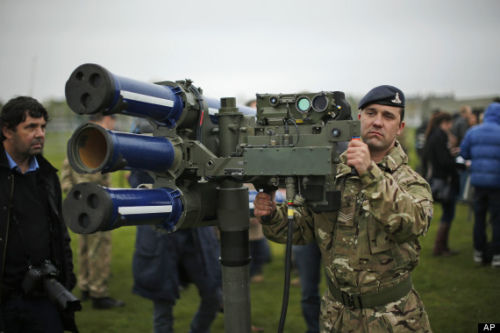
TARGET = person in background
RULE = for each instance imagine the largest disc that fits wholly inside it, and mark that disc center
(94, 250)
(481, 146)
(440, 156)
(464, 121)
(163, 264)
(420, 144)
(33, 236)
(307, 259)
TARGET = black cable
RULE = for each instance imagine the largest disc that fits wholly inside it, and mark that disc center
(288, 264)
(296, 129)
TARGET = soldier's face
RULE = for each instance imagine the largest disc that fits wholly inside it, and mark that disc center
(380, 126)
(28, 137)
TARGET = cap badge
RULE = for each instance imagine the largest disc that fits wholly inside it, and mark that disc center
(396, 99)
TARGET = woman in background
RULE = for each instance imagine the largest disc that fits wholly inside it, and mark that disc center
(440, 152)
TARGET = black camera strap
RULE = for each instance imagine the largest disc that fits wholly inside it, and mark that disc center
(23, 243)
(22, 237)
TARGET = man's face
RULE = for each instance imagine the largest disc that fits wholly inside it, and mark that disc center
(380, 125)
(471, 119)
(28, 138)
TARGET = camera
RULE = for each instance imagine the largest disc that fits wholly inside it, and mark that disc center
(42, 278)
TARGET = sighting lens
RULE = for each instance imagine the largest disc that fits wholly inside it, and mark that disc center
(303, 104)
(320, 103)
(273, 100)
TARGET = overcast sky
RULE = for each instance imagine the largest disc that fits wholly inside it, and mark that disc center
(239, 48)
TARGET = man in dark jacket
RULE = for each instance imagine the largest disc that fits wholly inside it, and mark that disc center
(162, 263)
(481, 146)
(32, 233)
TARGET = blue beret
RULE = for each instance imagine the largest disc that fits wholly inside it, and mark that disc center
(385, 95)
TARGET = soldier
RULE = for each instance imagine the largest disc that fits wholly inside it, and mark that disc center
(94, 250)
(370, 246)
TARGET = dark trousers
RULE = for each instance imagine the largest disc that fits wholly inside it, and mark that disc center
(448, 212)
(308, 261)
(260, 253)
(20, 315)
(486, 200)
(209, 290)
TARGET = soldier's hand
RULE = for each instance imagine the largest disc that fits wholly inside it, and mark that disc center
(264, 204)
(358, 156)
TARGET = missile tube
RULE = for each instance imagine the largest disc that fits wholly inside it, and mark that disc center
(92, 88)
(90, 207)
(93, 148)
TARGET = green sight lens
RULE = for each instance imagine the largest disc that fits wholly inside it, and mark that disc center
(303, 104)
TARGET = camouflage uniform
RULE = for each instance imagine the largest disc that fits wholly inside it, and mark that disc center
(94, 250)
(369, 245)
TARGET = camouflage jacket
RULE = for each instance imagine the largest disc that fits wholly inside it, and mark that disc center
(372, 241)
(70, 177)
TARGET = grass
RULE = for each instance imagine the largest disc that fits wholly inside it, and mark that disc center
(457, 294)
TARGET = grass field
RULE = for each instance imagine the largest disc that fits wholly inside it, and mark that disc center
(457, 294)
